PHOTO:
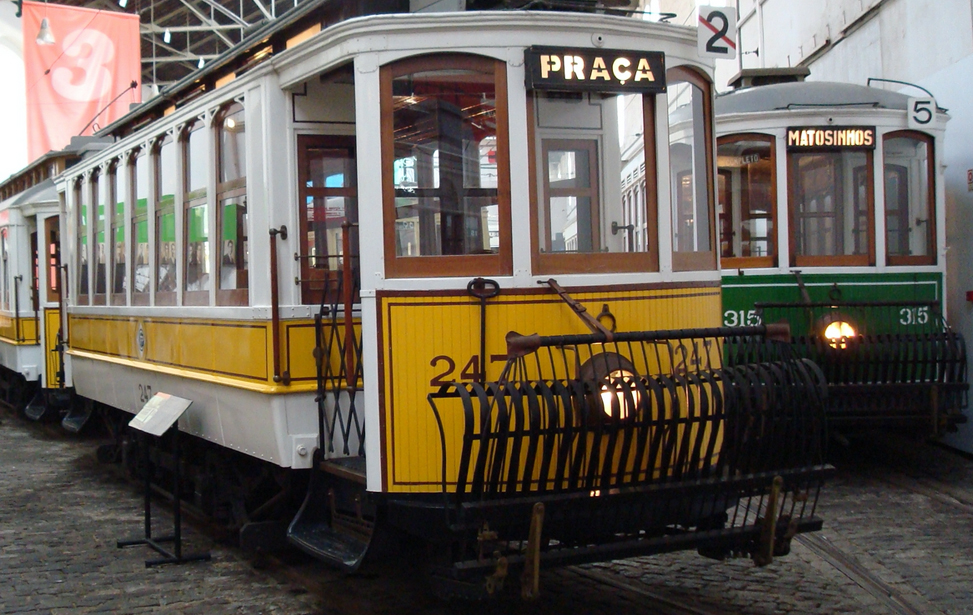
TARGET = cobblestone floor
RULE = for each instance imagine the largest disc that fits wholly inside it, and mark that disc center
(903, 511)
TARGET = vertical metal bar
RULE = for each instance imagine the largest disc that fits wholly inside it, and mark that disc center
(275, 305)
(176, 493)
(17, 279)
(351, 371)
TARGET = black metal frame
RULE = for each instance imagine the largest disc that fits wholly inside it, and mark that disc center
(904, 367)
(686, 455)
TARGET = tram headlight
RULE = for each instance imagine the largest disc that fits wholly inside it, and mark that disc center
(838, 333)
(617, 394)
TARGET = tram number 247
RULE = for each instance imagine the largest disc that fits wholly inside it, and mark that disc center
(741, 318)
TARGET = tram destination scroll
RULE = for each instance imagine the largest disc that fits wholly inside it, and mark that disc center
(595, 70)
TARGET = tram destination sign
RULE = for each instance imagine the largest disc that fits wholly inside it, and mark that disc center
(833, 137)
(595, 70)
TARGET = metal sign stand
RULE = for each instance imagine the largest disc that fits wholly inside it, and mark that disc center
(155, 418)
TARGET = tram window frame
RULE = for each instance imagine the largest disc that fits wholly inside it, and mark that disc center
(858, 179)
(82, 203)
(195, 198)
(458, 265)
(115, 223)
(231, 192)
(52, 258)
(316, 281)
(539, 144)
(896, 260)
(139, 156)
(695, 260)
(726, 218)
(100, 186)
(165, 294)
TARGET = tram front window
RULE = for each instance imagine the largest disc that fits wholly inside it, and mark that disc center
(445, 164)
(593, 210)
(831, 207)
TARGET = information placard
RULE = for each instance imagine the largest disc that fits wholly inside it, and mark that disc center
(159, 413)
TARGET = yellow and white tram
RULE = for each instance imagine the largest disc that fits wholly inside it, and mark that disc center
(326, 238)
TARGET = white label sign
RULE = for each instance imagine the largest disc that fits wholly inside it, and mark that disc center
(717, 32)
(922, 112)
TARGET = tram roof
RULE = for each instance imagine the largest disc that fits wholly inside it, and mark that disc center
(43, 193)
(808, 95)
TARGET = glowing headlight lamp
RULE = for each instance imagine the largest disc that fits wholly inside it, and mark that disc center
(838, 332)
(615, 376)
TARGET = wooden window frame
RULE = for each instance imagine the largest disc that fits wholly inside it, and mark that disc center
(96, 178)
(699, 261)
(225, 190)
(82, 203)
(120, 164)
(543, 263)
(899, 260)
(843, 260)
(162, 297)
(192, 199)
(311, 277)
(52, 258)
(138, 298)
(464, 265)
(754, 262)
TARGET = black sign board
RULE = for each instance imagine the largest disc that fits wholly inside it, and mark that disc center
(831, 137)
(595, 70)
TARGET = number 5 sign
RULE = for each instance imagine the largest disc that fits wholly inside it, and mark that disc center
(717, 32)
(922, 112)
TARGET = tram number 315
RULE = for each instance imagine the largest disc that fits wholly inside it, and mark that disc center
(741, 318)
(913, 316)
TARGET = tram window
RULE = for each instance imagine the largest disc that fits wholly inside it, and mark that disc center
(747, 200)
(82, 200)
(5, 255)
(910, 221)
(196, 159)
(52, 242)
(690, 162)
(165, 221)
(101, 184)
(831, 207)
(231, 195)
(328, 195)
(116, 245)
(445, 167)
(140, 229)
(590, 209)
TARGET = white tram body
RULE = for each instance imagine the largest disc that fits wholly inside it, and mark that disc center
(323, 238)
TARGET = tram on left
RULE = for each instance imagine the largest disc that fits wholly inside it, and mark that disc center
(327, 238)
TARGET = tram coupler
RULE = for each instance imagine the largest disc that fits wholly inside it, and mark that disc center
(530, 579)
(764, 553)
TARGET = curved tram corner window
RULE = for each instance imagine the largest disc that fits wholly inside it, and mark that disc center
(690, 163)
(447, 164)
(747, 198)
(910, 222)
(140, 229)
(165, 220)
(102, 207)
(116, 219)
(82, 198)
(196, 205)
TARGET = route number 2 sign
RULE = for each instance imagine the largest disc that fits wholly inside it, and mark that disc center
(717, 32)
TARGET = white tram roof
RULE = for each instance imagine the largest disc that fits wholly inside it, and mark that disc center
(44, 193)
(808, 95)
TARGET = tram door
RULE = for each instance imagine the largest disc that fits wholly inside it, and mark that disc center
(52, 316)
(328, 200)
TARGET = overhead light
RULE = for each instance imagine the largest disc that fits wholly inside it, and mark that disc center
(167, 36)
(201, 64)
(122, 3)
(45, 36)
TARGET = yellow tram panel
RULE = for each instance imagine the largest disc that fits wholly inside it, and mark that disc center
(26, 336)
(427, 341)
(52, 324)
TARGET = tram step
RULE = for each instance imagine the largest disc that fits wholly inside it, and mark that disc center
(38, 409)
(323, 542)
(349, 468)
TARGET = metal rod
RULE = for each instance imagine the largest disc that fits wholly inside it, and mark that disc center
(17, 279)
(275, 304)
(348, 291)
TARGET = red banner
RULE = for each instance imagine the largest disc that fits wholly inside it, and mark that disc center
(83, 81)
